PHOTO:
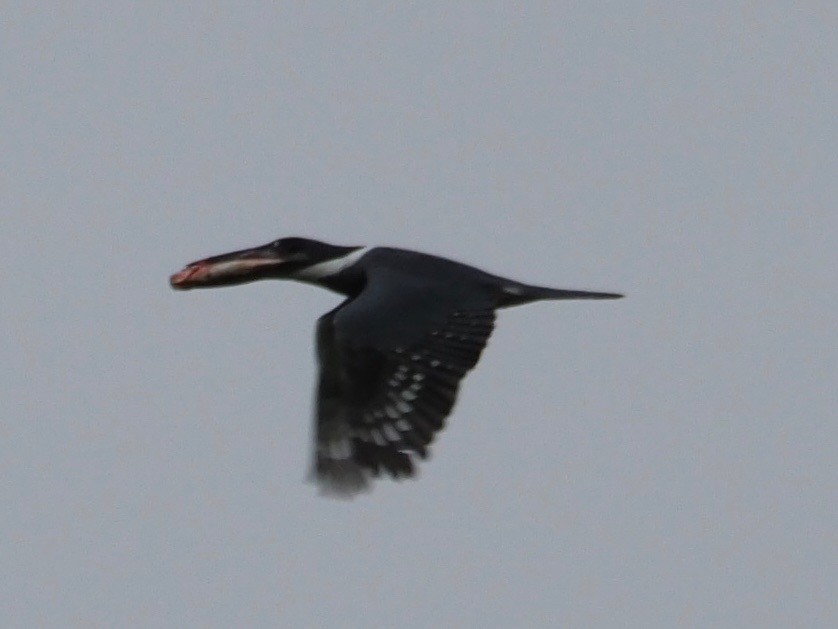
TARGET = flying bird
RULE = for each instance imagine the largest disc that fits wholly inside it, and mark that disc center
(391, 355)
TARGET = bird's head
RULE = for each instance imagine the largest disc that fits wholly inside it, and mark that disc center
(286, 258)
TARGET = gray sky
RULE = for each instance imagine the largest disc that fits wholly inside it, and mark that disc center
(665, 460)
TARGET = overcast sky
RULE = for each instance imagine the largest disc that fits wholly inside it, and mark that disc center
(665, 460)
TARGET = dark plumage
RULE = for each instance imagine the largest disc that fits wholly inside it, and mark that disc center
(392, 355)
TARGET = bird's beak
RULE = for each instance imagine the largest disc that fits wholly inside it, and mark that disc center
(238, 267)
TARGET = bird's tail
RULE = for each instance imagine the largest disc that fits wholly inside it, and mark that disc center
(517, 294)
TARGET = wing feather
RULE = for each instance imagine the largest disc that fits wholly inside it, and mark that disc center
(383, 397)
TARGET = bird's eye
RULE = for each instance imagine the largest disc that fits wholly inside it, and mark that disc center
(288, 247)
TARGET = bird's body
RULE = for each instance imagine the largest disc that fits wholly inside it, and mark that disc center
(392, 354)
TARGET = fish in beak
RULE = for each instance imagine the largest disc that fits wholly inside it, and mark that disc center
(238, 267)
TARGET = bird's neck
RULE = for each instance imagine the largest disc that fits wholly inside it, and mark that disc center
(339, 274)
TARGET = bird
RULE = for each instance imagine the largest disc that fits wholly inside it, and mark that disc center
(391, 355)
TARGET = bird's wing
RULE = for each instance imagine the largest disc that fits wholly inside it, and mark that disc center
(391, 361)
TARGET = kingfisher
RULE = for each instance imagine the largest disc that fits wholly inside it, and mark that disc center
(391, 355)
